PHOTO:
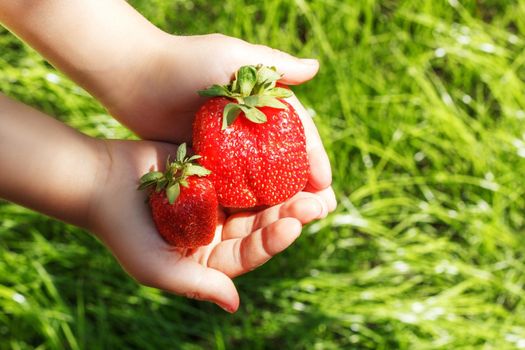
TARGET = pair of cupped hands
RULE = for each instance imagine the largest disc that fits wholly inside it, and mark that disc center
(158, 102)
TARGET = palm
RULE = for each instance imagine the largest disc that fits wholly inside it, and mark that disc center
(242, 241)
(166, 93)
(245, 240)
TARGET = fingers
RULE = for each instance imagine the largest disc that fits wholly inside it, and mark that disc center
(186, 277)
(304, 206)
(327, 195)
(295, 70)
(146, 257)
(237, 256)
(320, 169)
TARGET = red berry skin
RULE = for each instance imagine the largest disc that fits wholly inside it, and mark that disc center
(252, 164)
(191, 220)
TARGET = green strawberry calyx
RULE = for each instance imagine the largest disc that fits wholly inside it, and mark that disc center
(175, 175)
(253, 87)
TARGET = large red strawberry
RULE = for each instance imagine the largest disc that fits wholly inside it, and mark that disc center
(183, 202)
(252, 140)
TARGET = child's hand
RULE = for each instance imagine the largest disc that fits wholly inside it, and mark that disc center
(162, 86)
(120, 216)
(159, 100)
(93, 183)
(147, 78)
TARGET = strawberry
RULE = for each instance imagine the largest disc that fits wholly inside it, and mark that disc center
(252, 140)
(183, 202)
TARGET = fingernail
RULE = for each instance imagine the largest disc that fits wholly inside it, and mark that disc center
(333, 201)
(309, 61)
(322, 211)
(226, 308)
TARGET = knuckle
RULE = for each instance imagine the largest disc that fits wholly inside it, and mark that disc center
(193, 295)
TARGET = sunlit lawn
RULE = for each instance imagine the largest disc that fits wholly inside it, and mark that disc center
(422, 109)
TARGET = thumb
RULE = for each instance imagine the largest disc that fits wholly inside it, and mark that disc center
(192, 280)
(295, 70)
(208, 284)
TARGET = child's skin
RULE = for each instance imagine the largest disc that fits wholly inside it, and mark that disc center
(147, 79)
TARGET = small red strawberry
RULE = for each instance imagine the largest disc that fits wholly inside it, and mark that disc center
(252, 140)
(183, 203)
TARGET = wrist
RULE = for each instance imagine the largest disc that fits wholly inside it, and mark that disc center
(51, 166)
(101, 169)
(105, 45)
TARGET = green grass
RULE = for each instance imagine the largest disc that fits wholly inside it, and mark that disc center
(421, 105)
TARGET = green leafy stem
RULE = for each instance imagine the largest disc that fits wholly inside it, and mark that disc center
(175, 175)
(253, 87)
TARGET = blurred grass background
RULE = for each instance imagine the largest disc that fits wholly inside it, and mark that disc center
(422, 109)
